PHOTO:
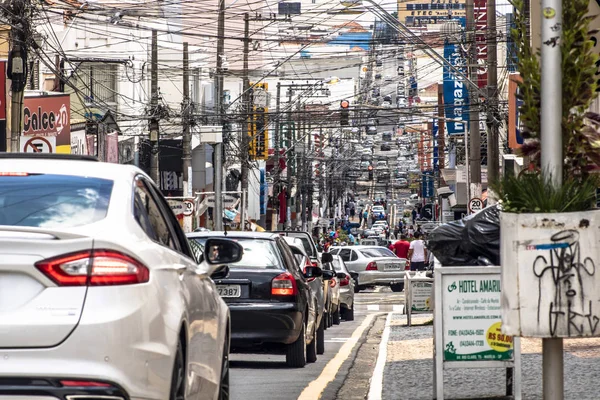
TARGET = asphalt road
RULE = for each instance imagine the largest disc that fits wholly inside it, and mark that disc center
(265, 377)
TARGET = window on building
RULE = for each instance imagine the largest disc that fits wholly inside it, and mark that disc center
(99, 82)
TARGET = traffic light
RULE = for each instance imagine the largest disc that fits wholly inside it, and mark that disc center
(344, 112)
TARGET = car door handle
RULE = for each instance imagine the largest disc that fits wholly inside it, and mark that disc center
(180, 268)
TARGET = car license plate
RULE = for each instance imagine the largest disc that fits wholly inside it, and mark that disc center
(229, 290)
(392, 267)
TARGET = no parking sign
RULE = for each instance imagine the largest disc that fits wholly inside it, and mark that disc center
(38, 144)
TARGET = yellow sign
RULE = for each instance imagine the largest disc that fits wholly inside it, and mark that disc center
(497, 340)
(258, 129)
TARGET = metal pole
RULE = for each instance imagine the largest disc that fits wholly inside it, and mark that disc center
(187, 135)
(493, 151)
(218, 150)
(246, 120)
(552, 162)
(474, 161)
(154, 128)
(276, 183)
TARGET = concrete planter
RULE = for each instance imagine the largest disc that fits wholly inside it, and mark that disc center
(550, 286)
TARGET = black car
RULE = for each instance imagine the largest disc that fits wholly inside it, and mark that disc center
(385, 147)
(271, 304)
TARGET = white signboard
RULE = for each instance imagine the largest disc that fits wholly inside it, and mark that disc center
(421, 293)
(177, 206)
(79, 143)
(38, 144)
(472, 319)
(228, 201)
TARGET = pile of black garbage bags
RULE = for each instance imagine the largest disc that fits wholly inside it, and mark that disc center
(473, 240)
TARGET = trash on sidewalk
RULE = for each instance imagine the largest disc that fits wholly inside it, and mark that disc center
(473, 240)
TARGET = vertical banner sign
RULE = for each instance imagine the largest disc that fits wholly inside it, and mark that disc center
(456, 95)
(435, 131)
(480, 12)
(258, 130)
(515, 140)
(2, 105)
(472, 319)
(428, 189)
(421, 151)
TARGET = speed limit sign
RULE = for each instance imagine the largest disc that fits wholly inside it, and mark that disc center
(475, 204)
(188, 207)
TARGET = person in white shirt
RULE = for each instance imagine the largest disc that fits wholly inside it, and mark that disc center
(417, 254)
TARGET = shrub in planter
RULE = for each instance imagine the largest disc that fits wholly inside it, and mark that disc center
(549, 235)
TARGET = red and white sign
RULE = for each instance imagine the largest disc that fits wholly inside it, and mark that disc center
(480, 12)
(48, 116)
(38, 144)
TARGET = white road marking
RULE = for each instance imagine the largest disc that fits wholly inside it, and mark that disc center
(373, 307)
(314, 389)
(376, 389)
(337, 340)
(398, 308)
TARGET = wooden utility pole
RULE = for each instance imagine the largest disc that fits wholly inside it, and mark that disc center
(493, 167)
(154, 128)
(247, 119)
(218, 148)
(474, 160)
(187, 135)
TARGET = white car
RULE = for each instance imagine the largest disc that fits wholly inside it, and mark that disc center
(101, 294)
(383, 224)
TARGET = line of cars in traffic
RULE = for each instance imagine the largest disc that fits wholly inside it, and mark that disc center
(103, 296)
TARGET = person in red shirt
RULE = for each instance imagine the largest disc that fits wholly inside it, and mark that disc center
(400, 248)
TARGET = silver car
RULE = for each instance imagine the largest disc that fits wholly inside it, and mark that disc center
(346, 279)
(101, 295)
(376, 266)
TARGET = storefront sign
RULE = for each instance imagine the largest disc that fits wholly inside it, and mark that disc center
(456, 94)
(472, 319)
(49, 116)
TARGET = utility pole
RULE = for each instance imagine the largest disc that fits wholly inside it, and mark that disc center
(493, 168)
(154, 128)
(218, 148)
(552, 166)
(441, 133)
(246, 120)
(187, 135)
(17, 66)
(276, 182)
(474, 159)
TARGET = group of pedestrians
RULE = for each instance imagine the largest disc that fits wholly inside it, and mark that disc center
(414, 251)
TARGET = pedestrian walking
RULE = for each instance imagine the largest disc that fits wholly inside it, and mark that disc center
(414, 215)
(411, 231)
(401, 247)
(360, 217)
(417, 254)
(352, 213)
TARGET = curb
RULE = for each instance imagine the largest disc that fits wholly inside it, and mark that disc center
(376, 386)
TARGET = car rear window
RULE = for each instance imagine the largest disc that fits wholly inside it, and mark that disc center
(258, 254)
(53, 201)
(377, 252)
(308, 246)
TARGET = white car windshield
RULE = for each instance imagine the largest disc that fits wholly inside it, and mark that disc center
(378, 208)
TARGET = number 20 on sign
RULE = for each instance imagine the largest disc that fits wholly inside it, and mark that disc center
(475, 204)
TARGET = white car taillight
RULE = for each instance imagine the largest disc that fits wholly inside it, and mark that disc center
(94, 268)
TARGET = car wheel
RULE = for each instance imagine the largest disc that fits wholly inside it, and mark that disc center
(295, 356)
(336, 316)
(325, 321)
(321, 336)
(224, 385)
(397, 287)
(311, 349)
(330, 318)
(356, 288)
(178, 375)
(349, 314)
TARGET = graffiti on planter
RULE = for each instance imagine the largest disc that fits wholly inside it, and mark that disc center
(569, 305)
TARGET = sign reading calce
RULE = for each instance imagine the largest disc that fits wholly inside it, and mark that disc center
(48, 116)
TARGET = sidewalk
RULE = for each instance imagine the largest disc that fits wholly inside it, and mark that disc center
(408, 372)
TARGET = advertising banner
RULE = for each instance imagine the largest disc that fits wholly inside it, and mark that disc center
(480, 12)
(79, 144)
(421, 293)
(515, 140)
(112, 147)
(49, 116)
(456, 94)
(472, 318)
(435, 131)
(428, 188)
